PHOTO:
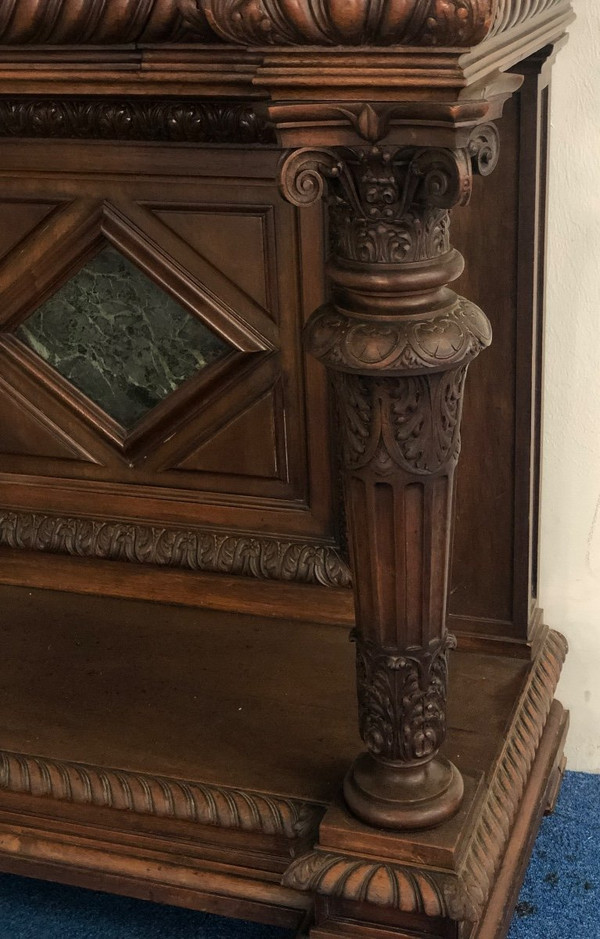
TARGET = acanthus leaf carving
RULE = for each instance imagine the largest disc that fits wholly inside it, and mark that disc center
(410, 424)
(402, 698)
(132, 119)
(389, 205)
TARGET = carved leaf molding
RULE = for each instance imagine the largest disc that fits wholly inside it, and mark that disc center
(158, 796)
(194, 549)
(410, 423)
(402, 699)
(132, 119)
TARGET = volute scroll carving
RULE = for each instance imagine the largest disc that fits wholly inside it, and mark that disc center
(397, 342)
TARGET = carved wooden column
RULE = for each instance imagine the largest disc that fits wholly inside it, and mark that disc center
(398, 343)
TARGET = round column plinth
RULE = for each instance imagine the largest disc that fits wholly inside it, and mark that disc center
(400, 797)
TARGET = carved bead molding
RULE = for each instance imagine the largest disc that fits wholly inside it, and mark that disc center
(158, 796)
(461, 894)
(367, 22)
(197, 550)
(133, 119)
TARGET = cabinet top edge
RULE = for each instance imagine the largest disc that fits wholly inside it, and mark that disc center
(431, 24)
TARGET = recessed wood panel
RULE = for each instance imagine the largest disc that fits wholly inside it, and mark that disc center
(25, 431)
(218, 237)
(206, 228)
(246, 446)
(20, 219)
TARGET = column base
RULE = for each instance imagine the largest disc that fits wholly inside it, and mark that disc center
(397, 797)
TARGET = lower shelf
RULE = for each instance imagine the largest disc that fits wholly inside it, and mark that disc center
(196, 757)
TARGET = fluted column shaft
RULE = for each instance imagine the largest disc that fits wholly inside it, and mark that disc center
(397, 342)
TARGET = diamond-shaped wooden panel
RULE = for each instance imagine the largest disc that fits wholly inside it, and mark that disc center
(119, 338)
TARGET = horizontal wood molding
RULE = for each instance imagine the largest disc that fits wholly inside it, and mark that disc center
(162, 797)
(194, 549)
(167, 119)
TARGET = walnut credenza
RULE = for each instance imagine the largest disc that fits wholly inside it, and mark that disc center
(234, 343)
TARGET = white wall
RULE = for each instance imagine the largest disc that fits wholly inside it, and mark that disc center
(570, 532)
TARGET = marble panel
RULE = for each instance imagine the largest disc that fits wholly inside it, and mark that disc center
(119, 338)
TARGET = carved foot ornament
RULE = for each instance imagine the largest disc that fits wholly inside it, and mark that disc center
(397, 342)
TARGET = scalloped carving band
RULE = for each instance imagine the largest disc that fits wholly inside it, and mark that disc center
(159, 796)
(196, 550)
(265, 22)
(349, 878)
(446, 340)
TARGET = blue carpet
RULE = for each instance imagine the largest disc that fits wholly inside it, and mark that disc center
(560, 898)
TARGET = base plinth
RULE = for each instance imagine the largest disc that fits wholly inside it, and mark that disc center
(387, 795)
(141, 754)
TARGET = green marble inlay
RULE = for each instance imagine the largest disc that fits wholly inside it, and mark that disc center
(120, 339)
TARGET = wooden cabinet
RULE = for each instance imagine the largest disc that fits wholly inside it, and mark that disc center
(249, 251)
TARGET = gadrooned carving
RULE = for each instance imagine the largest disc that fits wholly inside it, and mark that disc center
(132, 119)
(410, 424)
(159, 796)
(194, 549)
(442, 340)
(326, 22)
(265, 22)
(510, 13)
(101, 21)
(402, 698)
(374, 882)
